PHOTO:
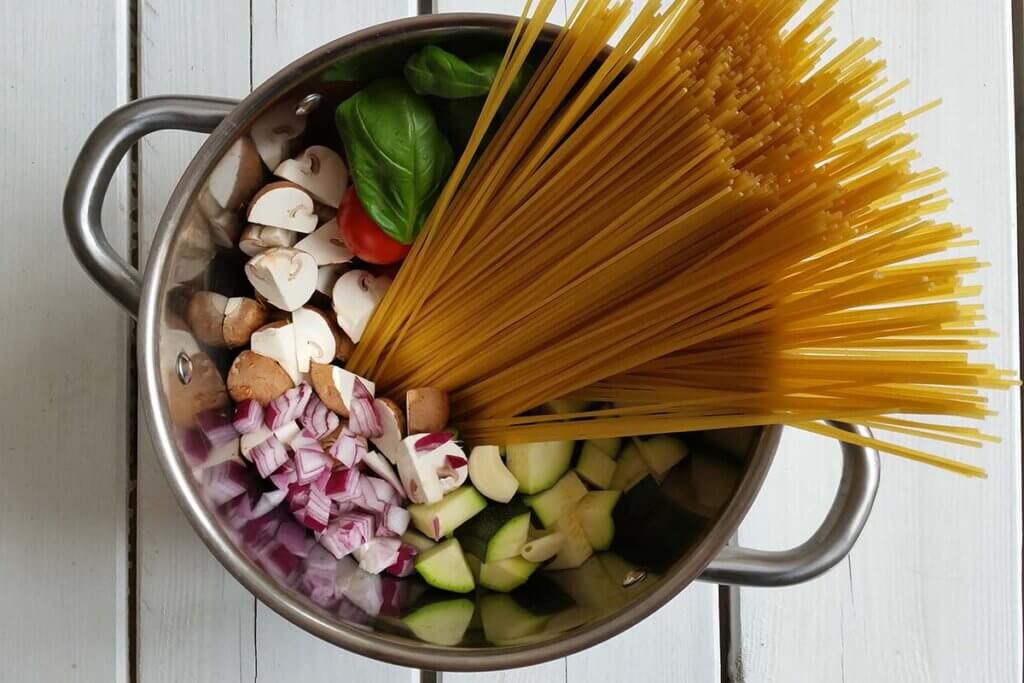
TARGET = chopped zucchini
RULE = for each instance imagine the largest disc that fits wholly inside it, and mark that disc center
(474, 564)
(537, 466)
(552, 504)
(506, 575)
(442, 620)
(595, 514)
(661, 453)
(417, 540)
(610, 447)
(629, 469)
(444, 566)
(505, 620)
(440, 519)
(576, 548)
(595, 466)
(497, 533)
(590, 586)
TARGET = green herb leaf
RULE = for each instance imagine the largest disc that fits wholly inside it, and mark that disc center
(435, 71)
(398, 158)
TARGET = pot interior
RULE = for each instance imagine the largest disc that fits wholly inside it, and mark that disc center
(665, 533)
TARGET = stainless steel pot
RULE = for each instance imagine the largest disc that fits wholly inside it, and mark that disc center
(179, 377)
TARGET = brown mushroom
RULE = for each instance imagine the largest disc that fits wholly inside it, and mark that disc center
(396, 412)
(205, 316)
(242, 317)
(321, 376)
(271, 325)
(426, 410)
(257, 377)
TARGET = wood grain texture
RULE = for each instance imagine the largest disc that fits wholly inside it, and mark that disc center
(932, 592)
(63, 488)
(195, 622)
(283, 30)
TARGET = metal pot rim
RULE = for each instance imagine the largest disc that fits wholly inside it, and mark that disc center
(369, 644)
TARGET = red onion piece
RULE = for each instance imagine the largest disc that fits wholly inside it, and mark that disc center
(395, 596)
(239, 510)
(259, 532)
(378, 554)
(317, 510)
(279, 562)
(268, 456)
(285, 476)
(385, 491)
(395, 519)
(310, 464)
(320, 576)
(380, 466)
(195, 447)
(268, 501)
(368, 498)
(348, 612)
(318, 419)
(349, 449)
(363, 418)
(364, 591)
(224, 482)
(343, 485)
(347, 533)
(427, 443)
(248, 416)
(288, 406)
(253, 439)
(216, 427)
(360, 391)
(405, 565)
(293, 536)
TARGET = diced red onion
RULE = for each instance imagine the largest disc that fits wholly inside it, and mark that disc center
(259, 532)
(395, 519)
(268, 501)
(222, 453)
(385, 491)
(405, 565)
(310, 464)
(195, 447)
(395, 596)
(431, 441)
(317, 509)
(347, 533)
(338, 509)
(288, 406)
(349, 449)
(288, 432)
(364, 591)
(285, 476)
(359, 390)
(268, 456)
(253, 439)
(279, 562)
(298, 496)
(378, 554)
(248, 416)
(320, 576)
(347, 570)
(368, 498)
(318, 419)
(363, 418)
(239, 510)
(216, 426)
(349, 612)
(294, 537)
(343, 485)
(379, 464)
(224, 482)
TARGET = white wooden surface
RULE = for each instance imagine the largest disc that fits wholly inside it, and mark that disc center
(931, 593)
(64, 411)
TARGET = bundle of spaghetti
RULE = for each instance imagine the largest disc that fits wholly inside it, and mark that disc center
(708, 225)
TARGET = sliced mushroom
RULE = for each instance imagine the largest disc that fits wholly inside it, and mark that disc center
(325, 212)
(325, 246)
(343, 346)
(205, 314)
(314, 339)
(355, 297)
(283, 205)
(278, 344)
(242, 317)
(277, 131)
(320, 171)
(431, 465)
(393, 423)
(426, 409)
(345, 381)
(257, 377)
(322, 379)
(286, 277)
(236, 177)
(256, 239)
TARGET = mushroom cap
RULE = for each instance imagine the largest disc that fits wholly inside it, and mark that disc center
(257, 377)
(242, 317)
(426, 409)
(322, 378)
(205, 315)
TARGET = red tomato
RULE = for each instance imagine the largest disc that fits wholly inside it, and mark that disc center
(363, 236)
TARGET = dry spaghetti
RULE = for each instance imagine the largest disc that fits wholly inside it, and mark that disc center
(709, 225)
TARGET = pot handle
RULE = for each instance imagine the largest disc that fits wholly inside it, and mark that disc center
(95, 166)
(828, 545)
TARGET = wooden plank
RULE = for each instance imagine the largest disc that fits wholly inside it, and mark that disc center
(63, 492)
(677, 643)
(932, 590)
(282, 31)
(195, 622)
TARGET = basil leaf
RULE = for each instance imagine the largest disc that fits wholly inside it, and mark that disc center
(435, 71)
(398, 158)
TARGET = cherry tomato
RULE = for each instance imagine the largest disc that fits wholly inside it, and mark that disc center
(363, 236)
